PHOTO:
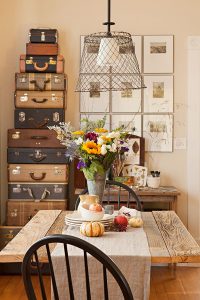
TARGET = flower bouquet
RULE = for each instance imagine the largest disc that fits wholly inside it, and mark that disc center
(95, 147)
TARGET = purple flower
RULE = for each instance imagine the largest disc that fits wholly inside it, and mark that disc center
(92, 136)
(124, 149)
(81, 165)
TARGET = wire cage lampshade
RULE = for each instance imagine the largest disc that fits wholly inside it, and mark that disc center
(109, 62)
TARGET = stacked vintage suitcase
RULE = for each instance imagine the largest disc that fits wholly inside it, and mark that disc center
(37, 166)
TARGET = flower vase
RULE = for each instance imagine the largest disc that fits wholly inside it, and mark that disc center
(97, 185)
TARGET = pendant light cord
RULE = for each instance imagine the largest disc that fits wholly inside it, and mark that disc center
(109, 23)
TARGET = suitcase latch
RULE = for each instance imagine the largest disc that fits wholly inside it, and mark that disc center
(57, 79)
(53, 97)
(22, 79)
(56, 117)
(16, 135)
(57, 189)
(43, 36)
(21, 116)
(57, 171)
(16, 171)
(17, 189)
(24, 98)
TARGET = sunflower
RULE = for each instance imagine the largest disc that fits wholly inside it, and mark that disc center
(91, 147)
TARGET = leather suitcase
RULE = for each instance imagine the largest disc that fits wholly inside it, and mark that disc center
(7, 233)
(43, 63)
(40, 82)
(38, 173)
(33, 138)
(35, 155)
(20, 212)
(43, 35)
(37, 191)
(38, 118)
(37, 99)
(41, 49)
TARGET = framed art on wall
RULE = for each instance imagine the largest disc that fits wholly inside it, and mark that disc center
(137, 44)
(157, 131)
(158, 54)
(94, 101)
(95, 117)
(128, 100)
(131, 123)
(158, 95)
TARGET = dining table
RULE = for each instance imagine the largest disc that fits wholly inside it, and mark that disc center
(162, 239)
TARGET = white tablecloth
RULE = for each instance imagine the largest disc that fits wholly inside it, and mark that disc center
(129, 250)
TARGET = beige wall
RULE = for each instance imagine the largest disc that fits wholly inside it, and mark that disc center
(73, 18)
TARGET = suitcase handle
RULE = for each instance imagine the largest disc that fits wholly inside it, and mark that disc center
(38, 125)
(41, 69)
(43, 175)
(39, 137)
(37, 159)
(39, 101)
(38, 86)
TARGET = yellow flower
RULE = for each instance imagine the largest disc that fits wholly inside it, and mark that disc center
(78, 132)
(100, 130)
(105, 138)
(91, 148)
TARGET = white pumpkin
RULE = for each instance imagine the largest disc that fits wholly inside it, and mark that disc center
(135, 222)
(92, 229)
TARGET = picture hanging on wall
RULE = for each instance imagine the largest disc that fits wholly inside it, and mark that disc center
(95, 117)
(128, 100)
(157, 131)
(131, 123)
(158, 95)
(137, 48)
(158, 54)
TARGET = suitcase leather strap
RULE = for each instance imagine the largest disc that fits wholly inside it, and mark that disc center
(43, 175)
(39, 101)
(38, 86)
(39, 125)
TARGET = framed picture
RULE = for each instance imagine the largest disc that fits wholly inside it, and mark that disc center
(94, 101)
(138, 172)
(128, 100)
(135, 155)
(157, 131)
(158, 95)
(131, 123)
(158, 54)
(95, 117)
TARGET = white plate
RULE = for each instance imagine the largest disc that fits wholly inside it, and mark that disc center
(76, 219)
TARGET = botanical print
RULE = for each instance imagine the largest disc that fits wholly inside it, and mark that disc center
(158, 89)
(93, 49)
(157, 131)
(138, 172)
(94, 89)
(158, 95)
(158, 47)
(128, 92)
(95, 117)
(131, 123)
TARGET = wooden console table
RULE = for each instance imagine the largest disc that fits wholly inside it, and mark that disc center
(164, 194)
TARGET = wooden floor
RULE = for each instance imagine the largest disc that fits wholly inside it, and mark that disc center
(186, 285)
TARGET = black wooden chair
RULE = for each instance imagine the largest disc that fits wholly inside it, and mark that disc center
(117, 193)
(88, 249)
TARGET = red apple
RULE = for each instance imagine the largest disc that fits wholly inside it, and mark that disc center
(121, 220)
(95, 207)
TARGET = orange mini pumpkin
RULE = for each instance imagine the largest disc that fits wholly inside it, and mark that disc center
(92, 229)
